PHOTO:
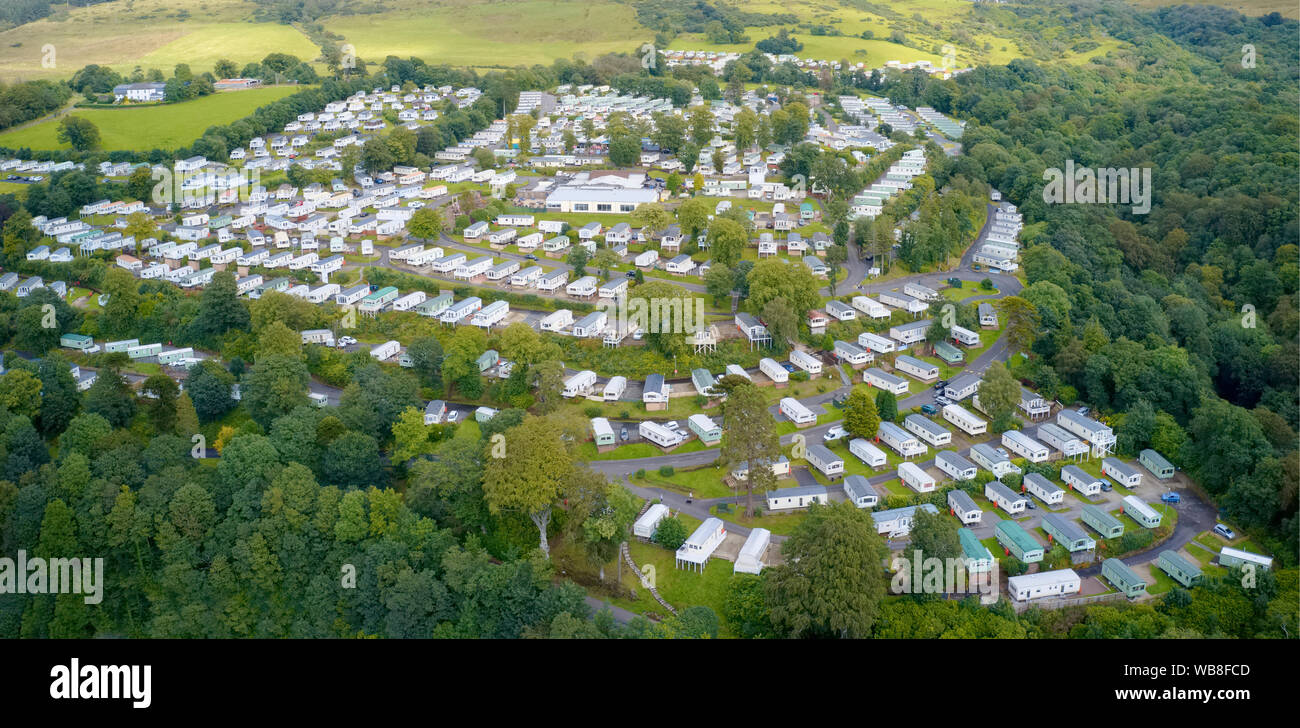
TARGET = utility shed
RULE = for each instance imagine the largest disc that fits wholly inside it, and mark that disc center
(1123, 578)
(1181, 570)
(646, 525)
(1156, 463)
(977, 556)
(1018, 542)
(1067, 533)
(750, 559)
(1138, 510)
(1101, 521)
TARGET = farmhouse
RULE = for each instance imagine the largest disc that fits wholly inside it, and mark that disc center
(799, 496)
(1067, 533)
(1018, 542)
(1045, 490)
(860, 492)
(1005, 498)
(961, 505)
(1043, 584)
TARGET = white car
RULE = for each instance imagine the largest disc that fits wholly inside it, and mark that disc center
(347, 340)
(452, 416)
(835, 433)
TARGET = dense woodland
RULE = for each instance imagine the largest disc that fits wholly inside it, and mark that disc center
(1144, 317)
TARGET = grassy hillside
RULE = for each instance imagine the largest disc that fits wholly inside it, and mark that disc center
(147, 127)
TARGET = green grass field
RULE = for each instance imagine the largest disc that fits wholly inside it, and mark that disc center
(167, 126)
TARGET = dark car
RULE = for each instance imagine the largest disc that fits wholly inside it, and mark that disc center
(929, 409)
(1171, 498)
(954, 282)
(530, 256)
(788, 366)
(630, 274)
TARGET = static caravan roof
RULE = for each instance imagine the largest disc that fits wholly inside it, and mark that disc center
(971, 546)
(601, 427)
(857, 486)
(1003, 491)
(955, 460)
(1020, 583)
(1066, 528)
(963, 500)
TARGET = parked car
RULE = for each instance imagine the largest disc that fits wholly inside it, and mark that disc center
(929, 409)
(452, 416)
(638, 334)
(1032, 505)
(835, 433)
(954, 282)
(942, 401)
(1224, 531)
(1171, 498)
(1105, 485)
(1083, 411)
(530, 256)
(788, 366)
(622, 434)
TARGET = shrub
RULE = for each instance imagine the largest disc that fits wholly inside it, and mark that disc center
(592, 411)
(671, 533)
(667, 471)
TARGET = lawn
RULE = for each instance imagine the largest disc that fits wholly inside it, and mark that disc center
(777, 523)
(149, 34)
(681, 588)
(165, 126)
(471, 32)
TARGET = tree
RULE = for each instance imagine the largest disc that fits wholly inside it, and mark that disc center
(781, 321)
(624, 150)
(719, 282)
(111, 397)
(671, 533)
(831, 584)
(933, 537)
(411, 435)
(60, 398)
(693, 215)
(119, 314)
(209, 386)
(727, 241)
(999, 392)
(1021, 320)
(160, 393)
(532, 478)
(20, 393)
(426, 355)
(861, 418)
(887, 405)
(220, 309)
(276, 339)
(604, 260)
(79, 133)
(578, 258)
(425, 223)
(352, 460)
(772, 278)
(276, 386)
(750, 440)
(548, 384)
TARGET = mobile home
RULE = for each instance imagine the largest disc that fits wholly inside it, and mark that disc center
(797, 413)
(1101, 521)
(1179, 569)
(648, 523)
(961, 505)
(1025, 446)
(927, 430)
(881, 379)
(825, 461)
(860, 491)
(1043, 489)
(579, 384)
(1121, 472)
(913, 367)
(750, 558)
(964, 419)
(799, 496)
(1018, 542)
(863, 450)
(1229, 557)
(1138, 510)
(954, 465)
(1005, 498)
(900, 440)
(1123, 578)
(1080, 480)
(1066, 532)
(658, 434)
(701, 544)
(1156, 463)
(1043, 584)
(997, 463)
(915, 478)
